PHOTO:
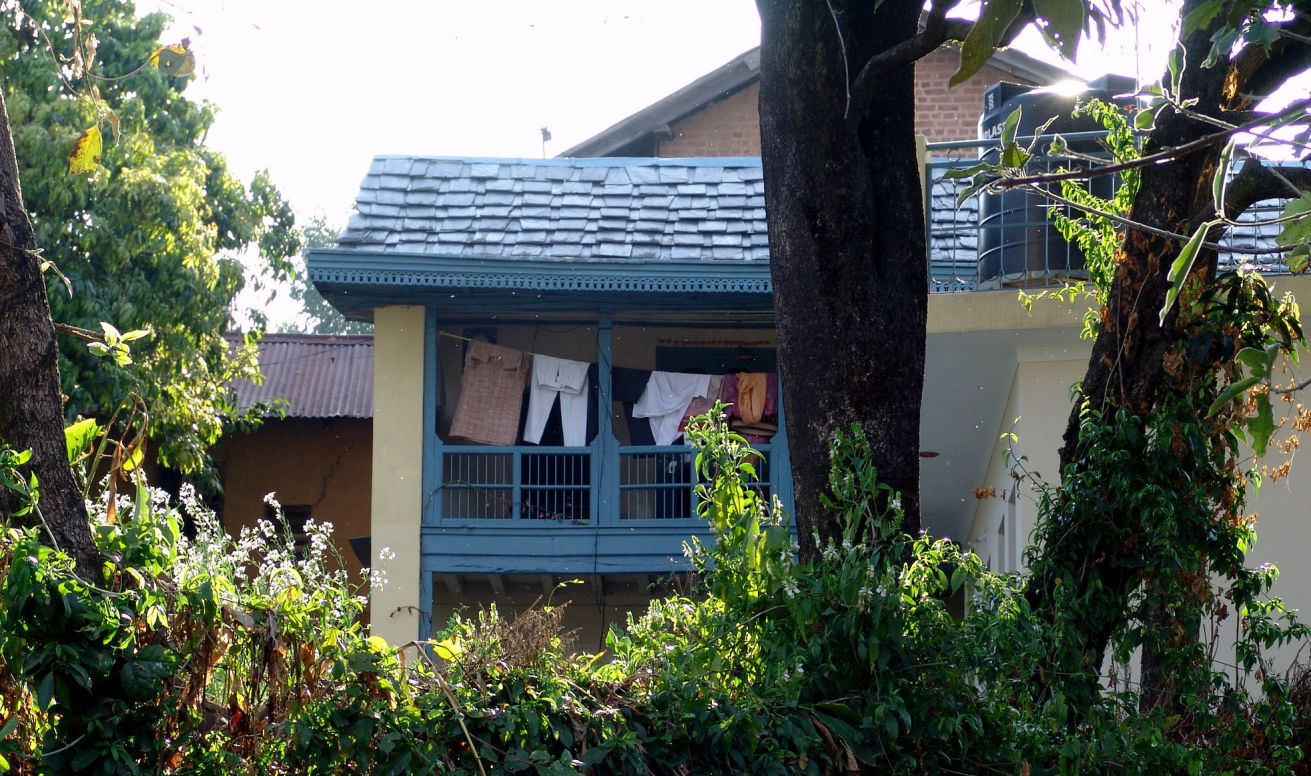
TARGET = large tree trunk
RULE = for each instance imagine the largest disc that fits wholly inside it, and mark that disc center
(1126, 371)
(30, 407)
(847, 248)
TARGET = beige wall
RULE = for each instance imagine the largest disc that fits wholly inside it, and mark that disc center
(398, 384)
(1039, 396)
(324, 464)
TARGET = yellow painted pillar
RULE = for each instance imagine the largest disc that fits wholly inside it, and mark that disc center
(398, 379)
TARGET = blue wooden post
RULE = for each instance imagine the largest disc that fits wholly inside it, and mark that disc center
(605, 449)
(432, 467)
(432, 443)
(781, 466)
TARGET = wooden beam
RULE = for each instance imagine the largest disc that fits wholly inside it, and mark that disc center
(497, 582)
(548, 586)
(453, 584)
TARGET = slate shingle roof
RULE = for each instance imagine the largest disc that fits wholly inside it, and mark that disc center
(608, 209)
(566, 209)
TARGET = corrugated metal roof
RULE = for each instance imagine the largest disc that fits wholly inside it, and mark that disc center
(318, 375)
(563, 209)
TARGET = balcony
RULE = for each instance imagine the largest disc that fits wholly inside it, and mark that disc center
(592, 510)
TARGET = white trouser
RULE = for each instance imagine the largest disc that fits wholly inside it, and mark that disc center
(557, 378)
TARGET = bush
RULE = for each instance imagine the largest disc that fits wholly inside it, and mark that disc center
(214, 655)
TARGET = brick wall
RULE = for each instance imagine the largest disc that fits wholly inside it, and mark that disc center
(731, 127)
(950, 113)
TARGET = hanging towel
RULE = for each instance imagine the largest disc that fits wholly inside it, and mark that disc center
(665, 401)
(491, 391)
(565, 380)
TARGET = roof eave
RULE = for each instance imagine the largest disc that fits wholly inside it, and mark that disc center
(355, 279)
(726, 79)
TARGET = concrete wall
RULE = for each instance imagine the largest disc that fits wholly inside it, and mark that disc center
(323, 464)
(1039, 396)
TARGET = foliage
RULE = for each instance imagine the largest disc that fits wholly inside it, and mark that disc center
(316, 315)
(150, 237)
(210, 655)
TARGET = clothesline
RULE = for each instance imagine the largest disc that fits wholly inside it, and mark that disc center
(452, 335)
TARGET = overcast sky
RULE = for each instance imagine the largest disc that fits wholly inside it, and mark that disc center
(313, 90)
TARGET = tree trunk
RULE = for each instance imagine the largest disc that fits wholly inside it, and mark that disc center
(847, 247)
(30, 407)
(1126, 371)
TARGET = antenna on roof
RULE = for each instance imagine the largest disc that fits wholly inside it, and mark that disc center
(546, 138)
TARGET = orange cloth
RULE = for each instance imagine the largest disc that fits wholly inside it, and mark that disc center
(751, 389)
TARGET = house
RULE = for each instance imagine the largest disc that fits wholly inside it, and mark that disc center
(628, 264)
(716, 115)
(314, 446)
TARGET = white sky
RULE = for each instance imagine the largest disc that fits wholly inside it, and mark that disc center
(312, 91)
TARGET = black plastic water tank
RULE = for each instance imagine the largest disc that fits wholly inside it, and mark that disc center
(1018, 244)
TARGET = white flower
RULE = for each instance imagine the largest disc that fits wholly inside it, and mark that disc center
(386, 553)
(896, 502)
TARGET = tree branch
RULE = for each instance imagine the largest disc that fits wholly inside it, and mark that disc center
(937, 29)
(1165, 155)
(1256, 182)
(86, 335)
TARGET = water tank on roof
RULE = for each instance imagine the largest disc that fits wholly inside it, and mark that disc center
(1018, 244)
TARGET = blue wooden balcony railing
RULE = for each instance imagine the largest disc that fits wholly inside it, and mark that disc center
(483, 485)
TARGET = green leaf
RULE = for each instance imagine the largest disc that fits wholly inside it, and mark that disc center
(1201, 16)
(1014, 157)
(1010, 127)
(1182, 266)
(1233, 391)
(45, 691)
(1221, 178)
(447, 649)
(79, 436)
(1257, 360)
(1262, 425)
(1297, 260)
(1145, 118)
(1064, 24)
(971, 171)
(984, 36)
(1176, 65)
(1297, 230)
